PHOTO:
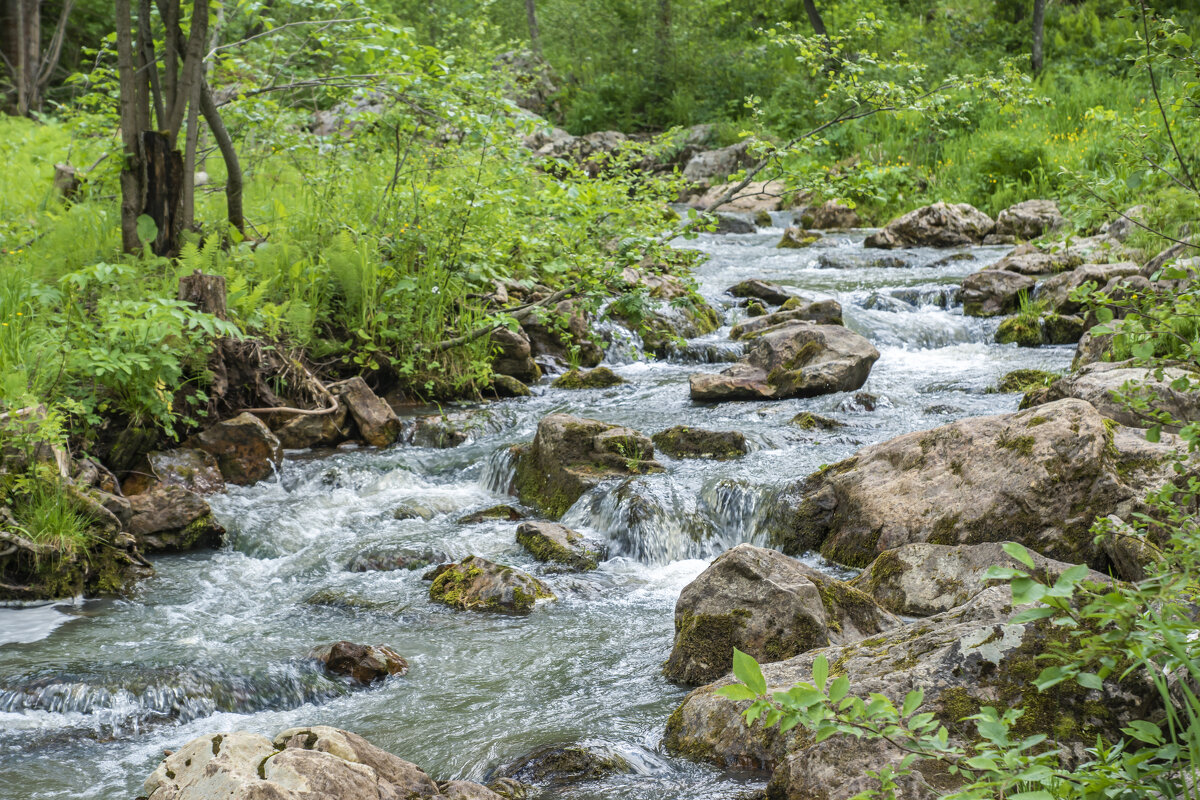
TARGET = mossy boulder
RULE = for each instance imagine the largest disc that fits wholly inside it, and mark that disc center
(961, 660)
(765, 604)
(501, 512)
(558, 765)
(1023, 331)
(682, 441)
(794, 359)
(557, 544)
(245, 449)
(508, 386)
(1024, 380)
(1097, 382)
(824, 312)
(808, 421)
(362, 664)
(598, 378)
(993, 292)
(918, 580)
(570, 455)
(169, 518)
(476, 584)
(1039, 477)
(797, 238)
(762, 219)
(1062, 328)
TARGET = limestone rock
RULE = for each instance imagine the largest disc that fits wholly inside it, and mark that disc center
(554, 543)
(830, 214)
(476, 584)
(765, 604)
(1029, 220)
(1039, 477)
(1096, 383)
(795, 359)
(704, 167)
(500, 512)
(754, 197)
(570, 455)
(363, 664)
(993, 292)
(1028, 259)
(682, 441)
(194, 470)
(823, 312)
(1057, 290)
(244, 447)
(169, 518)
(376, 421)
(938, 225)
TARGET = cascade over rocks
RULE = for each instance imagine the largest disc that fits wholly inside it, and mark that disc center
(476, 584)
(300, 764)
(376, 421)
(682, 441)
(570, 455)
(765, 604)
(795, 359)
(921, 579)
(1026, 220)
(1039, 477)
(938, 225)
(558, 544)
(363, 664)
(245, 449)
(1097, 381)
(993, 292)
(169, 518)
(822, 312)
(962, 659)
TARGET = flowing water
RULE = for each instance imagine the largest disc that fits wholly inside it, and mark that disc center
(92, 692)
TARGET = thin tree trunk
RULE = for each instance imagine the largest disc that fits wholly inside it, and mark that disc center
(662, 58)
(814, 18)
(233, 168)
(53, 53)
(150, 57)
(1039, 20)
(193, 65)
(131, 194)
(535, 35)
(189, 159)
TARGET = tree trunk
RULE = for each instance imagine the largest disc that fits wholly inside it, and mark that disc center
(205, 292)
(163, 182)
(814, 18)
(233, 167)
(535, 35)
(662, 58)
(20, 45)
(131, 167)
(1039, 19)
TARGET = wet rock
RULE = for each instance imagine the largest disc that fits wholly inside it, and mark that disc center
(315, 430)
(466, 790)
(961, 660)
(377, 423)
(754, 308)
(301, 763)
(363, 664)
(662, 324)
(922, 579)
(763, 219)
(1039, 477)
(770, 293)
(823, 312)
(1023, 380)
(512, 789)
(549, 340)
(514, 356)
(1023, 331)
(765, 604)
(169, 518)
(500, 512)
(1062, 328)
(797, 238)
(449, 429)
(508, 386)
(194, 470)
(551, 542)
(830, 214)
(806, 420)
(476, 584)
(732, 224)
(796, 359)
(938, 225)
(598, 378)
(993, 292)
(332, 598)
(1091, 349)
(554, 765)
(1097, 382)
(864, 401)
(682, 441)
(1028, 259)
(570, 455)
(412, 511)
(1056, 291)
(753, 197)
(388, 559)
(1029, 220)
(884, 302)
(245, 449)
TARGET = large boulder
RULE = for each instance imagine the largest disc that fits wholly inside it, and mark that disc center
(1097, 382)
(753, 197)
(1028, 259)
(476, 584)
(513, 355)
(1056, 291)
(770, 293)
(765, 604)
(708, 165)
(558, 544)
(570, 455)
(1039, 477)
(1028, 220)
(921, 579)
(169, 518)
(315, 430)
(823, 312)
(682, 441)
(363, 664)
(794, 359)
(194, 470)
(377, 423)
(830, 214)
(938, 225)
(245, 449)
(300, 764)
(963, 659)
(993, 292)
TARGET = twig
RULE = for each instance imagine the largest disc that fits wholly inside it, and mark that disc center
(1120, 213)
(1158, 100)
(325, 22)
(309, 412)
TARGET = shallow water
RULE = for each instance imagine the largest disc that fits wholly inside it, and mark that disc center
(92, 692)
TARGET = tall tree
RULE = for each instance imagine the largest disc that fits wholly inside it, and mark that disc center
(535, 34)
(1039, 20)
(814, 17)
(29, 68)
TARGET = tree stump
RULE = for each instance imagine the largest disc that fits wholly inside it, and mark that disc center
(205, 292)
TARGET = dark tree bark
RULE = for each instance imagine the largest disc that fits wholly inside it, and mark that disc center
(535, 34)
(29, 69)
(814, 18)
(131, 166)
(1039, 20)
(163, 187)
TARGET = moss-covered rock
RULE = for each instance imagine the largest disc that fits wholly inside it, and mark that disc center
(1024, 380)
(476, 584)
(508, 386)
(1062, 328)
(598, 378)
(557, 544)
(682, 441)
(104, 564)
(765, 604)
(796, 238)
(1097, 382)
(556, 765)
(807, 420)
(500, 512)
(570, 455)
(1022, 330)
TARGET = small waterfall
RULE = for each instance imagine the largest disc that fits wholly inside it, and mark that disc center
(499, 471)
(622, 345)
(706, 351)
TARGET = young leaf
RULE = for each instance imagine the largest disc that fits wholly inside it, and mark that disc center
(820, 672)
(735, 692)
(746, 670)
(1018, 552)
(841, 685)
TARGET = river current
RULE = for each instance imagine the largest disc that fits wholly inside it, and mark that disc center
(92, 692)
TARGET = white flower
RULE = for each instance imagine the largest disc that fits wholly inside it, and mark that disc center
(434, 290)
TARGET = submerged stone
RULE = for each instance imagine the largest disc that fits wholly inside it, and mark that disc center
(554, 543)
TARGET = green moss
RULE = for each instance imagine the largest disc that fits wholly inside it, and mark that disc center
(704, 645)
(809, 421)
(684, 442)
(1035, 421)
(598, 378)
(1024, 380)
(1022, 331)
(1017, 444)
(887, 565)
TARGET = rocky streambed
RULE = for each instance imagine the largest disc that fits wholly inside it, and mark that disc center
(93, 692)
